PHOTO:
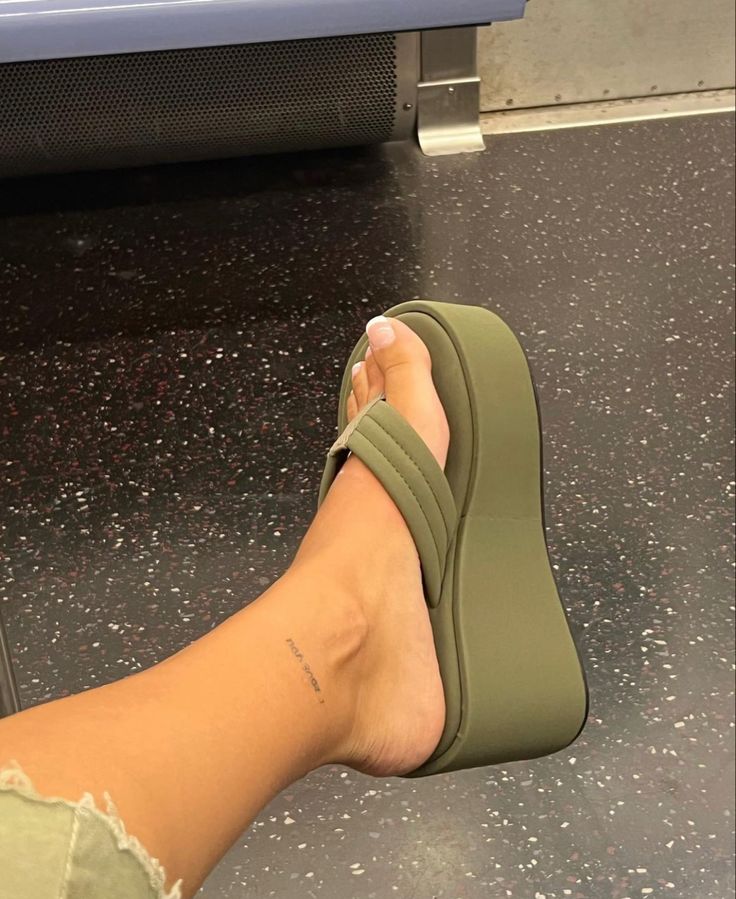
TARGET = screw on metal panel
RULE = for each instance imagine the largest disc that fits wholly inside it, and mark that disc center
(408, 106)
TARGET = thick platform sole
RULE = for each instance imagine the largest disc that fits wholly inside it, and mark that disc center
(514, 684)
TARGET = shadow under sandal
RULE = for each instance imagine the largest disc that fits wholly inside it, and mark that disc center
(513, 682)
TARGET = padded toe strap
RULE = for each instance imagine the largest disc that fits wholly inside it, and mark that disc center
(390, 447)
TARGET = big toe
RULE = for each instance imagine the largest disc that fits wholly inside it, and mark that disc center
(406, 366)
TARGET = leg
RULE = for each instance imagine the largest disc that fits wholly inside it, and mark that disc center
(334, 663)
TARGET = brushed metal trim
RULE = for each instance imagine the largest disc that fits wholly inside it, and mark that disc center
(583, 115)
(407, 79)
(449, 93)
(9, 699)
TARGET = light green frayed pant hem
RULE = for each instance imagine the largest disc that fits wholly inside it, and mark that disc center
(54, 849)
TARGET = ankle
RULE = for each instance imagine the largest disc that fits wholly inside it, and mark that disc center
(329, 605)
(313, 635)
(330, 625)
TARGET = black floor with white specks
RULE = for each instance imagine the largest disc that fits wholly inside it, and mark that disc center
(172, 343)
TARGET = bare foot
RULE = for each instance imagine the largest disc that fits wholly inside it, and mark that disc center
(397, 708)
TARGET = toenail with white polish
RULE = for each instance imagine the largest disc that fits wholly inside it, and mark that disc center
(380, 332)
(356, 368)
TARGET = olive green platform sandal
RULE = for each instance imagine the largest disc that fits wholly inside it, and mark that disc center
(513, 682)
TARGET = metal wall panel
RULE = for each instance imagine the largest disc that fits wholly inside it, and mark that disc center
(574, 51)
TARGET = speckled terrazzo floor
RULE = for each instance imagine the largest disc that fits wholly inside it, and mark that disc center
(172, 343)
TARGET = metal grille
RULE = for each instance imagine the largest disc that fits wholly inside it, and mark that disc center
(133, 109)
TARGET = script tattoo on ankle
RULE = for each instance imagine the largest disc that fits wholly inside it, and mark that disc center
(299, 656)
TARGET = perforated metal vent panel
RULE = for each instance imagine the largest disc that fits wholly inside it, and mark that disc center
(133, 109)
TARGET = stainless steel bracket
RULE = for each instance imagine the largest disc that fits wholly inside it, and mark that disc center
(9, 700)
(448, 98)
